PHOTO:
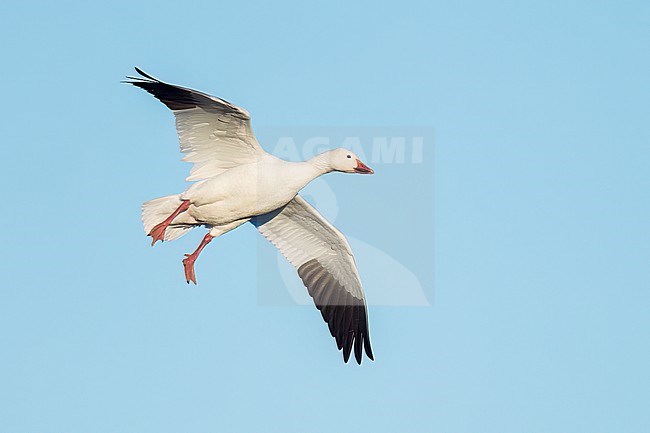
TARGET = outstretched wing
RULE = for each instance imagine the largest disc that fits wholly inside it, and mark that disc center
(214, 134)
(325, 263)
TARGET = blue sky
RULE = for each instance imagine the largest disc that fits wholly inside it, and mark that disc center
(528, 224)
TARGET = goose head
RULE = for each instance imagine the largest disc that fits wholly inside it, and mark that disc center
(346, 161)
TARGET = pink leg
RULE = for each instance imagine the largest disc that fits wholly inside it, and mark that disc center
(158, 232)
(188, 261)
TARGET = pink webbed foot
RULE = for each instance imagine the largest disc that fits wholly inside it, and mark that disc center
(188, 265)
(188, 261)
(158, 232)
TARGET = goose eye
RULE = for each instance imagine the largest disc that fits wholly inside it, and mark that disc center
(349, 156)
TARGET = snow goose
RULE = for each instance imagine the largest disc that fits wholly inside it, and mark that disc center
(238, 182)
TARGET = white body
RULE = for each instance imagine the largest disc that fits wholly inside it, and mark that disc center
(246, 191)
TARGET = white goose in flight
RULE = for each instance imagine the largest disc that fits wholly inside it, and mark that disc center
(238, 182)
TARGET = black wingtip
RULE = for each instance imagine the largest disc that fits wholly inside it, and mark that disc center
(345, 314)
(357, 349)
(367, 347)
(144, 74)
(347, 348)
